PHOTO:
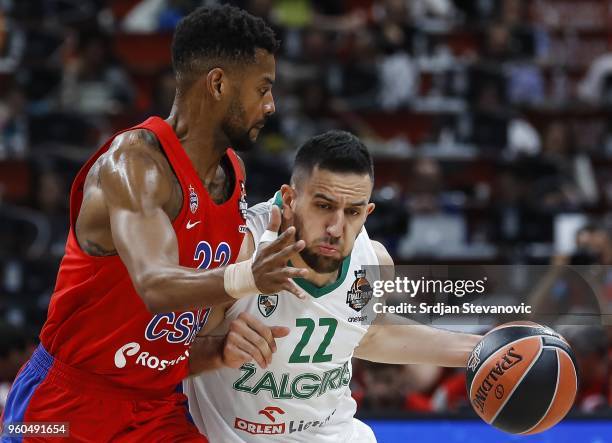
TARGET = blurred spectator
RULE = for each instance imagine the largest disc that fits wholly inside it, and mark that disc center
(143, 17)
(479, 11)
(421, 10)
(446, 392)
(435, 229)
(356, 80)
(92, 83)
(523, 138)
(578, 293)
(14, 124)
(516, 212)
(596, 87)
(525, 84)
(516, 15)
(51, 199)
(398, 79)
(558, 143)
(384, 386)
(490, 118)
(149, 16)
(498, 46)
(391, 220)
(12, 43)
(574, 182)
(427, 184)
(307, 113)
(590, 346)
(173, 12)
(15, 349)
(163, 95)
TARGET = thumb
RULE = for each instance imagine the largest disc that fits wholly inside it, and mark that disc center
(275, 219)
(279, 331)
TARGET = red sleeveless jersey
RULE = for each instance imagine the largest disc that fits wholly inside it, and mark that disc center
(96, 320)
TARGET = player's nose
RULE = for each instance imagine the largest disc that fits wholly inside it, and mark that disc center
(336, 225)
(269, 107)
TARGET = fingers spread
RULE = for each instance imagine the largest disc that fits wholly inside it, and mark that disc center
(286, 238)
(290, 286)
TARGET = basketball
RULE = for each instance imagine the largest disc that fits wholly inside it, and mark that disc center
(522, 378)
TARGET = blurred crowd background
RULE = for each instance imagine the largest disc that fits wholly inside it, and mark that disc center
(490, 122)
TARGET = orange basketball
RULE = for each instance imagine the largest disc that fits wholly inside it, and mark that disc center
(522, 378)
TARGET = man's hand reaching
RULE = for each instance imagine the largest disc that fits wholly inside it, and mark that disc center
(249, 339)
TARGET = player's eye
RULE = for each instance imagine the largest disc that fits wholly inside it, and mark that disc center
(323, 206)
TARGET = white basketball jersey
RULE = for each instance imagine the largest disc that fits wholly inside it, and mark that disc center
(304, 394)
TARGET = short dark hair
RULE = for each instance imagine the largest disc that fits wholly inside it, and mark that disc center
(219, 33)
(336, 151)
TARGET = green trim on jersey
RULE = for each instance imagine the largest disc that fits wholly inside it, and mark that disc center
(319, 292)
(278, 200)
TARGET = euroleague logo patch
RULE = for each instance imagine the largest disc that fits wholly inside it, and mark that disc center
(360, 293)
(193, 200)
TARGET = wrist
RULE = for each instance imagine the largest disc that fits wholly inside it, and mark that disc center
(219, 360)
(239, 281)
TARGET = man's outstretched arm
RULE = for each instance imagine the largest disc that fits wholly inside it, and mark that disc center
(414, 343)
(397, 340)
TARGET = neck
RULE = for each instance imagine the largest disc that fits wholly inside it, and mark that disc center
(198, 132)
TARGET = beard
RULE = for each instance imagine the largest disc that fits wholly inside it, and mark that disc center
(235, 129)
(319, 263)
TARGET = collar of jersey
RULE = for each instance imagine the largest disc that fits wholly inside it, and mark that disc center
(278, 200)
(307, 286)
(317, 292)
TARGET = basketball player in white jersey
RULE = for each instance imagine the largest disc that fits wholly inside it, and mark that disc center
(302, 393)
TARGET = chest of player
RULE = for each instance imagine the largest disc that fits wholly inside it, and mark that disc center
(324, 329)
(209, 235)
(314, 361)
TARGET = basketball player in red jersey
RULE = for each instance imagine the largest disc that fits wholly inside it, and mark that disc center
(157, 220)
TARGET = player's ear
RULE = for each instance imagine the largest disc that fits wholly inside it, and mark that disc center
(288, 199)
(369, 208)
(215, 83)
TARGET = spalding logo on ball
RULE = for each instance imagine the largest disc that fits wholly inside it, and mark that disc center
(521, 378)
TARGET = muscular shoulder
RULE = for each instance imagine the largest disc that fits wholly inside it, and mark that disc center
(134, 172)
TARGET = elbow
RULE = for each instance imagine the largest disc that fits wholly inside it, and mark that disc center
(153, 304)
(148, 288)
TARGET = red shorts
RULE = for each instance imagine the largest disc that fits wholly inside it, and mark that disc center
(47, 390)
